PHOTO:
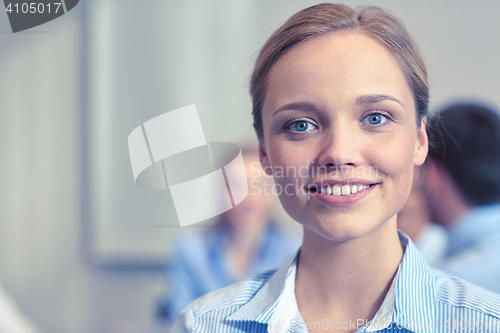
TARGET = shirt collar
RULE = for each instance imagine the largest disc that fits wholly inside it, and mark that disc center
(409, 301)
(414, 300)
(260, 307)
(472, 227)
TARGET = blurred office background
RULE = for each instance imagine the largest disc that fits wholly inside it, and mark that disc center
(81, 247)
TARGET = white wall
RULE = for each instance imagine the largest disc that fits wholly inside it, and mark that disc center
(40, 225)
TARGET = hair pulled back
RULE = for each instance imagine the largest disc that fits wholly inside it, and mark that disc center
(328, 18)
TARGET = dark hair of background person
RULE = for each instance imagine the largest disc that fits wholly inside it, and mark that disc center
(465, 139)
(329, 18)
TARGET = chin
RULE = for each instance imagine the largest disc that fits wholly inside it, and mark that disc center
(341, 232)
(344, 227)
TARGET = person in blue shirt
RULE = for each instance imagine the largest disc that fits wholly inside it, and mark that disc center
(340, 102)
(462, 183)
(431, 239)
(245, 240)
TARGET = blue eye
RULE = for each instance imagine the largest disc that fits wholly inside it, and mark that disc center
(301, 126)
(375, 119)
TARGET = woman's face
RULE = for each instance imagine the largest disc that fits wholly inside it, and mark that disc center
(339, 116)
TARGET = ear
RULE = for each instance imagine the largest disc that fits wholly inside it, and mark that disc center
(422, 144)
(264, 159)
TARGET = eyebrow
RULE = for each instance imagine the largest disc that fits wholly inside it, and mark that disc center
(362, 100)
(368, 99)
(303, 106)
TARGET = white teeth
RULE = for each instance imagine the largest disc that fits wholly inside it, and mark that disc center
(328, 190)
(343, 189)
(336, 190)
(354, 189)
(346, 190)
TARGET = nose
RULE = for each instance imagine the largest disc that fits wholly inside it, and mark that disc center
(340, 148)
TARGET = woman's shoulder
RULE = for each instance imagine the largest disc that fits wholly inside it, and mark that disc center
(233, 296)
(222, 303)
(456, 294)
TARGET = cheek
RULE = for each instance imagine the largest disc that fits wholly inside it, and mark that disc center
(396, 164)
(398, 155)
(289, 163)
(290, 172)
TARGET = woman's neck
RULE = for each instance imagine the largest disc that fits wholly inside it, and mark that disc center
(346, 280)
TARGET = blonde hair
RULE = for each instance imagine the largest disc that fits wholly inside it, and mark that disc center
(326, 18)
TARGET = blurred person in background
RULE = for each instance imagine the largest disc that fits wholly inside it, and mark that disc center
(462, 185)
(245, 240)
(414, 219)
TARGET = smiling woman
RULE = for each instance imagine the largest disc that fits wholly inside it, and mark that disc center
(343, 95)
(360, 115)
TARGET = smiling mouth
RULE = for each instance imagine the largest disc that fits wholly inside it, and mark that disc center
(339, 190)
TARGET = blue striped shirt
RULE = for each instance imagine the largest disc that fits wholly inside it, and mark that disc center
(420, 299)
